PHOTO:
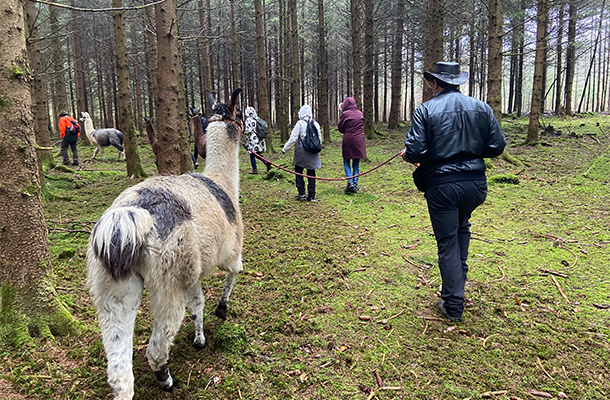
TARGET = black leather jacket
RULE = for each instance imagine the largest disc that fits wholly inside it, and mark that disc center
(451, 134)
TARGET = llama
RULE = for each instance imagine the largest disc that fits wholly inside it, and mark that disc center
(166, 233)
(101, 138)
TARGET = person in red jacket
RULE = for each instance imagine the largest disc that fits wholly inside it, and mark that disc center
(351, 124)
(69, 139)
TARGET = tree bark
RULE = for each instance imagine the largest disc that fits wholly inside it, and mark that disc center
(494, 59)
(261, 68)
(323, 78)
(39, 93)
(81, 93)
(559, 69)
(234, 46)
(571, 57)
(125, 118)
(368, 76)
(172, 134)
(151, 62)
(28, 302)
(295, 65)
(433, 51)
(204, 45)
(534, 123)
(60, 99)
(356, 51)
(397, 66)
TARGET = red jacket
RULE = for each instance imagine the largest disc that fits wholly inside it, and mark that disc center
(65, 122)
(351, 124)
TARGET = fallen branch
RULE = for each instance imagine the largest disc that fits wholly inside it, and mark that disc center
(496, 393)
(541, 394)
(550, 271)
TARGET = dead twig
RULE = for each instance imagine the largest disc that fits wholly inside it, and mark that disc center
(378, 379)
(385, 321)
(542, 368)
(560, 290)
(503, 275)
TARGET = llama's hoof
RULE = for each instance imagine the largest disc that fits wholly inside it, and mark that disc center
(221, 311)
(172, 387)
(200, 345)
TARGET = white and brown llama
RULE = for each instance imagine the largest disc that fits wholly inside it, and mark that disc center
(101, 138)
(165, 234)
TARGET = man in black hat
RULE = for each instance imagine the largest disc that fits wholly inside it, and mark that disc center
(449, 137)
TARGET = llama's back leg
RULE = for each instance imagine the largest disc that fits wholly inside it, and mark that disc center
(195, 302)
(117, 305)
(95, 151)
(167, 307)
(221, 309)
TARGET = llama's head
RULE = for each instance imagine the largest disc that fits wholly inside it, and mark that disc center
(227, 113)
(84, 115)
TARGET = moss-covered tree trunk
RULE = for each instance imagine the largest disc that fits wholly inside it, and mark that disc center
(125, 120)
(28, 304)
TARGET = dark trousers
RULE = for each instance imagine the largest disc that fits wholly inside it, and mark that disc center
(450, 206)
(300, 182)
(63, 150)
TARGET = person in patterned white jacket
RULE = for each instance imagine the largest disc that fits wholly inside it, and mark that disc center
(253, 143)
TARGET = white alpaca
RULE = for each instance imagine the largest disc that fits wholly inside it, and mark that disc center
(101, 138)
(166, 233)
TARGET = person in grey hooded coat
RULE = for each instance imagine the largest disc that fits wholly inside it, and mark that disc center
(303, 159)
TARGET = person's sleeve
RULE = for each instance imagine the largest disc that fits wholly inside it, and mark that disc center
(62, 127)
(496, 141)
(294, 136)
(416, 146)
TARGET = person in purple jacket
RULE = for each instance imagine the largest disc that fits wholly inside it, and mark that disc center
(351, 124)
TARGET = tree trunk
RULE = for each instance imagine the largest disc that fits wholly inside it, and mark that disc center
(151, 61)
(81, 94)
(125, 115)
(234, 46)
(283, 85)
(28, 302)
(534, 123)
(369, 53)
(397, 66)
(571, 57)
(135, 49)
(38, 90)
(356, 51)
(558, 73)
(172, 134)
(323, 79)
(494, 59)
(60, 99)
(295, 65)
(206, 57)
(261, 69)
(433, 41)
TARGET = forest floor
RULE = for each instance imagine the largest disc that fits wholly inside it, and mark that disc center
(337, 298)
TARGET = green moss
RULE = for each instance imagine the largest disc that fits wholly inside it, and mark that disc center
(504, 178)
(232, 338)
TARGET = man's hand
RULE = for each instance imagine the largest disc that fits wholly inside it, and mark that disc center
(402, 154)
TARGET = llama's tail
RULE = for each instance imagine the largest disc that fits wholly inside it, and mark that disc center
(118, 237)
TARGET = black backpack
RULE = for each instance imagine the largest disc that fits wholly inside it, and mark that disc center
(72, 131)
(262, 129)
(312, 143)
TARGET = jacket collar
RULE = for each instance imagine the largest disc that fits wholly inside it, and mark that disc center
(447, 90)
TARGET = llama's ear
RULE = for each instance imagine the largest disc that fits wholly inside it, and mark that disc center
(234, 98)
(212, 99)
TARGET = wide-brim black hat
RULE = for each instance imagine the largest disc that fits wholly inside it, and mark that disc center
(448, 72)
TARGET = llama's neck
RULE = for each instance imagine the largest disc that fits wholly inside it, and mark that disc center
(88, 128)
(222, 164)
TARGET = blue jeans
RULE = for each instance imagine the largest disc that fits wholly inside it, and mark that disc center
(348, 170)
(253, 161)
(450, 206)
